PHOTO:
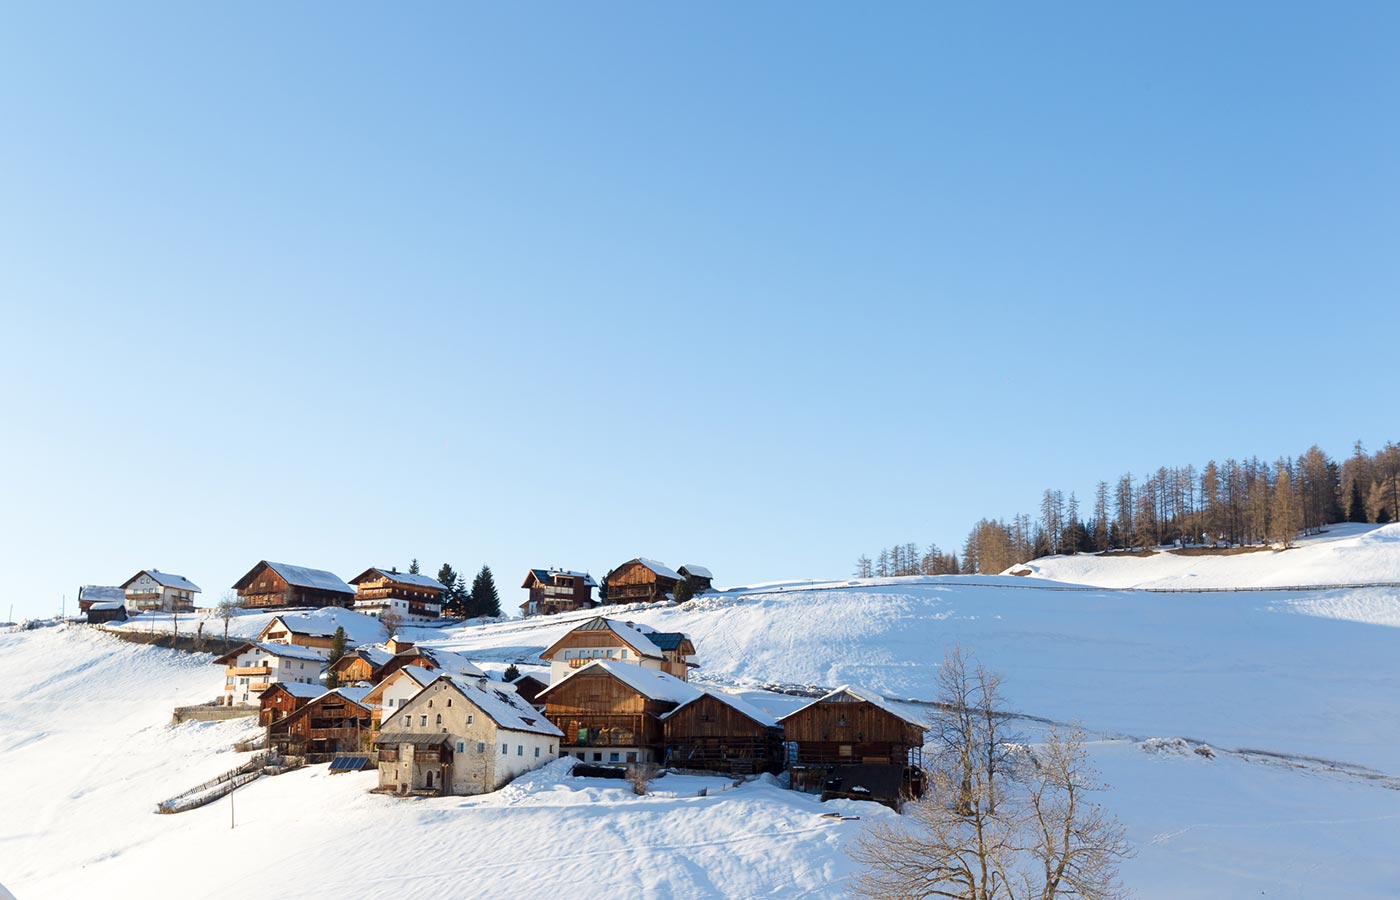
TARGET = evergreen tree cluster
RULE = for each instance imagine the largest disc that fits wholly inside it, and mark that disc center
(1236, 502)
(459, 601)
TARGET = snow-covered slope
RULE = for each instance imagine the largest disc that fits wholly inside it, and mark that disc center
(1344, 554)
(1298, 701)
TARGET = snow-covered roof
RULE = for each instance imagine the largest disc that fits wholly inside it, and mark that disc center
(860, 693)
(425, 581)
(355, 695)
(544, 574)
(359, 628)
(165, 579)
(108, 604)
(736, 703)
(301, 689)
(697, 571)
(447, 661)
(281, 651)
(503, 705)
(650, 683)
(659, 568)
(100, 592)
(301, 576)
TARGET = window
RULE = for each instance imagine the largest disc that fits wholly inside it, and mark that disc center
(423, 720)
(597, 757)
(613, 757)
(469, 718)
(537, 753)
(481, 747)
(504, 749)
(449, 701)
(407, 721)
(624, 654)
(519, 749)
(439, 719)
(461, 746)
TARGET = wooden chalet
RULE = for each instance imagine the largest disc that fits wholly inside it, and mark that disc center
(413, 598)
(720, 732)
(284, 698)
(699, 577)
(603, 638)
(377, 662)
(611, 712)
(641, 580)
(853, 738)
(317, 628)
(270, 584)
(337, 721)
(556, 591)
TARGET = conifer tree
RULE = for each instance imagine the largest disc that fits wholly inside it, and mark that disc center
(413, 567)
(1356, 508)
(451, 589)
(337, 651)
(683, 591)
(485, 601)
(511, 673)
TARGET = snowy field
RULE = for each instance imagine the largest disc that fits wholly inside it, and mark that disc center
(1297, 695)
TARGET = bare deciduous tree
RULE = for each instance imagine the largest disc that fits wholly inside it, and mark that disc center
(999, 821)
(229, 605)
(391, 621)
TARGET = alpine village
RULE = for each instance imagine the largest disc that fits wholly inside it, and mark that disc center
(332, 679)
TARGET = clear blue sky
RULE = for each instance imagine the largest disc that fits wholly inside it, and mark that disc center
(759, 286)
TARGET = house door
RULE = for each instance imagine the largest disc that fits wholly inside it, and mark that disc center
(428, 781)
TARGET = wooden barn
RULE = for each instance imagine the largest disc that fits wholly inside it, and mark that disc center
(90, 595)
(270, 584)
(699, 577)
(338, 721)
(722, 733)
(284, 698)
(641, 581)
(610, 711)
(556, 591)
(529, 686)
(377, 662)
(849, 732)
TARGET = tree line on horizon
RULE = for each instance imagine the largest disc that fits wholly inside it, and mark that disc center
(1237, 502)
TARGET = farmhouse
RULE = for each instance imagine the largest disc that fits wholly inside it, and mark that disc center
(317, 628)
(722, 733)
(602, 638)
(284, 698)
(152, 589)
(337, 721)
(610, 711)
(409, 597)
(461, 736)
(556, 591)
(853, 738)
(641, 580)
(270, 584)
(254, 667)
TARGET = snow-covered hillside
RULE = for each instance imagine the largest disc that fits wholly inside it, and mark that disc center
(1344, 554)
(1296, 694)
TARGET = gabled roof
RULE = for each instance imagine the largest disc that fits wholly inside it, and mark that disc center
(423, 581)
(108, 604)
(650, 683)
(417, 674)
(543, 575)
(359, 628)
(355, 695)
(299, 576)
(667, 640)
(737, 704)
(99, 593)
(281, 651)
(697, 571)
(630, 635)
(164, 579)
(848, 693)
(501, 704)
(297, 689)
(659, 568)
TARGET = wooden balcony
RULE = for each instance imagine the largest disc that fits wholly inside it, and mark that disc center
(252, 670)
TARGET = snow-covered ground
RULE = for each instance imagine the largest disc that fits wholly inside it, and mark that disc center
(1344, 554)
(1296, 693)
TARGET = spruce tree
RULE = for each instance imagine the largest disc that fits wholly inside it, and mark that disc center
(511, 673)
(684, 591)
(451, 598)
(1356, 510)
(413, 567)
(485, 601)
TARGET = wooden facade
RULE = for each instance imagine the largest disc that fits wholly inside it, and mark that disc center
(374, 664)
(640, 581)
(419, 596)
(603, 638)
(279, 701)
(606, 720)
(845, 738)
(699, 577)
(335, 722)
(528, 687)
(708, 733)
(266, 586)
(555, 591)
